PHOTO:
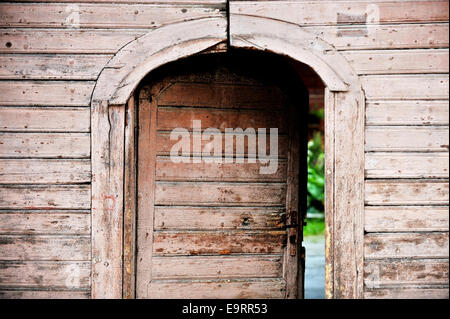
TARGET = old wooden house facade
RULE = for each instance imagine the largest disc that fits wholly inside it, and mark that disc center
(92, 207)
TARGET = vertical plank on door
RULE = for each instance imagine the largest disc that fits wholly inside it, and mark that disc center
(145, 196)
(293, 277)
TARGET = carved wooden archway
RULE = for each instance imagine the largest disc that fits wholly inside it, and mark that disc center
(344, 138)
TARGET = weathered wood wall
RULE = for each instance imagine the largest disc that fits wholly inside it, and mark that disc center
(51, 53)
(400, 51)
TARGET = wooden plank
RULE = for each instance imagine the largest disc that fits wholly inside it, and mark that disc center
(171, 118)
(236, 289)
(406, 192)
(216, 267)
(345, 12)
(406, 245)
(45, 248)
(45, 119)
(44, 171)
(406, 219)
(69, 275)
(108, 131)
(100, 15)
(295, 202)
(204, 2)
(35, 222)
(407, 138)
(46, 93)
(218, 218)
(407, 113)
(407, 293)
(348, 198)
(220, 194)
(397, 36)
(66, 40)
(164, 145)
(48, 67)
(45, 197)
(385, 273)
(398, 61)
(218, 243)
(406, 87)
(166, 170)
(44, 294)
(45, 145)
(407, 165)
(130, 205)
(146, 195)
(211, 95)
(329, 118)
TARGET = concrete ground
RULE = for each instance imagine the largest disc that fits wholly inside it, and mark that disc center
(314, 267)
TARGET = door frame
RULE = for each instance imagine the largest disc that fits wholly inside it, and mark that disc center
(112, 109)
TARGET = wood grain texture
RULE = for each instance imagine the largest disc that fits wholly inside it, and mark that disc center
(329, 172)
(101, 15)
(65, 40)
(406, 192)
(146, 195)
(406, 219)
(210, 95)
(36, 222)
(171, 118)
(44, 171)
(218, 243)
(108, 129)
(406, 87)
(77, 248)
(44, 119)
(131, 64)
(345, 12)
(348, 197)
(45, 145)
(385, 273)
(220, 194)
(130, 202)
(407, 138)
(377, 37)
(295, 204)
(407, 293)
(49, 67)
(218, 218)
(398, 61)
(425, 112)
(44, 294)
(165, 145)
(236, 289)
(166, 170)
(35, 274)
(407, 165)
(45, 197)
(204, 2)
(46, 93)
(406, 245)
(216, 267)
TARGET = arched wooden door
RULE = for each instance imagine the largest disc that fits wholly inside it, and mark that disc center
(217, 219)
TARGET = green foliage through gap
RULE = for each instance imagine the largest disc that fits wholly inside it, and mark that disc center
(315, 223)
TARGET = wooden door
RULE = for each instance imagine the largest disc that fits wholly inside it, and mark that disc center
(207, 228)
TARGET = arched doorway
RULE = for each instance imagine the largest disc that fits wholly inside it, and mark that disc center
(344, 111)
(221, 178)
